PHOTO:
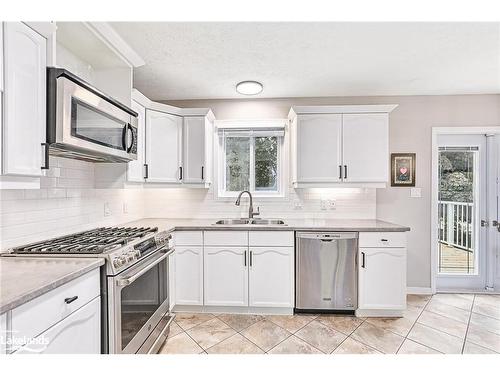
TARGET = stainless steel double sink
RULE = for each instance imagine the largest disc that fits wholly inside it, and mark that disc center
(250, 222)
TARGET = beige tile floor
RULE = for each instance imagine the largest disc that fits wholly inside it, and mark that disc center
(443, 323)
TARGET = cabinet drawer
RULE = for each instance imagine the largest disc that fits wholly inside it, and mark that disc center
(79, 333)
(382, 239)
(269, 238)
(226, 238)
(194, 238)
(35, 316)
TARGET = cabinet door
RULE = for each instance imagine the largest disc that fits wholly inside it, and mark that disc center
(163, 146)
(194, 163)
(271, 277)
(382, 278)
(226, 276)
(366, 147)
(24, 100)
(135, 168)
(319, 146)
(3, 332)
(188, 275)
(79, 333)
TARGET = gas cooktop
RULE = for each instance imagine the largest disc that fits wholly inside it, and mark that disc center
(95, 241)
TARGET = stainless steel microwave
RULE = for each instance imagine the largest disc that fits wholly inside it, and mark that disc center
(84, 123)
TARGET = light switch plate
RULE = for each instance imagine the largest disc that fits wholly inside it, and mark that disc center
(416, 192)
(107, 209)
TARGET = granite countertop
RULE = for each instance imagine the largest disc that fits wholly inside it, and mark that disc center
(23, 279)
(338, 225)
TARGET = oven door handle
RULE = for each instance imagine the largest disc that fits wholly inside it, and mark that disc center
(135, 276)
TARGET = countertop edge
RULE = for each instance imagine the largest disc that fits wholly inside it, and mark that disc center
(30, 295)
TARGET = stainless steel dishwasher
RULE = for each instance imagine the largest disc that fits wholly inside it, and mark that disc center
(326, 271)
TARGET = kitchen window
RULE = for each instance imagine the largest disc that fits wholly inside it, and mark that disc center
(250, 157)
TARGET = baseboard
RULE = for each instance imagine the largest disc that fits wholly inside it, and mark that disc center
(234, 309)
(418, 290)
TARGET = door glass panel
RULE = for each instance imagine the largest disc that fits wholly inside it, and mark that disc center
(457, 212)
(140, 300)
(92, 125)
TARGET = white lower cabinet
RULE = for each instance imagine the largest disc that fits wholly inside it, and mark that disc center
(188, 275)
(382, 279)
(79, 333)
(225, 276)
(3, 331)
(271, 277)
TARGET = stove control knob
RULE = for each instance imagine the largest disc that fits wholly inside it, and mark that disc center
(130, 256)
(118, 262)
(137, 254)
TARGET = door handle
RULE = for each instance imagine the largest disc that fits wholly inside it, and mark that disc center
(251, 258)
(363, 260)
(245, 258)
(146, 171)
(180, 173)
(45, 146)
(202, 173)
(345, 171)
(340, 172)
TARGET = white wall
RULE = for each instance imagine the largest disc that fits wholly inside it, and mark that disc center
(410, 131)
(67, 202)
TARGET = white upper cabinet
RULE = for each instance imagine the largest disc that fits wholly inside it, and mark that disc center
(163, 147)
(340, 145)
(23, 128)
(319, 149)
(135, 168)
(194, 150)
(366, 147)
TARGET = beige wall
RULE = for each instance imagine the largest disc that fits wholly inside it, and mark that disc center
(410, 131)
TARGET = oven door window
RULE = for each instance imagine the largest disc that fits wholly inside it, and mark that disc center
(140, 300)
(90, 124)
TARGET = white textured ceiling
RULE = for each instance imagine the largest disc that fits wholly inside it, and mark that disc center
(206, 60)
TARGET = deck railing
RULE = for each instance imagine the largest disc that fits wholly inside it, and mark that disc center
(456, 224)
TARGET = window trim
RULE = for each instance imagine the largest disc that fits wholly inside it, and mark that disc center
(220, 159)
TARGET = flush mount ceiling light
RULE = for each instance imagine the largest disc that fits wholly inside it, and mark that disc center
(249, 87)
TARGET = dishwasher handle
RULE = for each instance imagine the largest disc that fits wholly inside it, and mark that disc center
(327, 236)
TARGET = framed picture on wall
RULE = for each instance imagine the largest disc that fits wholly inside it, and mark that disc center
(403, 169)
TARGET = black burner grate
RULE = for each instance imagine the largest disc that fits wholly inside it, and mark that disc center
(94, 241)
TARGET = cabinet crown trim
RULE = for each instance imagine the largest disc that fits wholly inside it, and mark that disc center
(323, 109)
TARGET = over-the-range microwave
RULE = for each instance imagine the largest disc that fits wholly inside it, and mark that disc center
(84, 123)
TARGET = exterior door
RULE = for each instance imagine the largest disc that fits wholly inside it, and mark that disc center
(462, 213)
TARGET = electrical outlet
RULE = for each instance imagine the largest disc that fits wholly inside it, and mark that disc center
(297, 205)
(416, 192)
(125, 207)
(107, 209)
(323, 204)
(331, 204)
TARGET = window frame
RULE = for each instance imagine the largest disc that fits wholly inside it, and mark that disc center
(220, 158)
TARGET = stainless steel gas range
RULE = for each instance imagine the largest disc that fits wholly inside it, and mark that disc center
(134, 282)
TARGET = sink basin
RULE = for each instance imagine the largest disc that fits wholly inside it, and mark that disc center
(250, 221)
(233, 221)
(267, 222)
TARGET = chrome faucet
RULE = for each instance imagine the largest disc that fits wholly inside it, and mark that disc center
(251, 212)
